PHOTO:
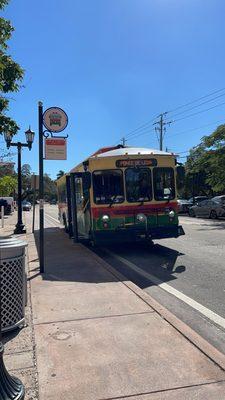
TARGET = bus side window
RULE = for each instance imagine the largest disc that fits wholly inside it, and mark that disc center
(79, 193)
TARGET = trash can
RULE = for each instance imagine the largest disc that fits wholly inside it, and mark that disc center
(13, 282)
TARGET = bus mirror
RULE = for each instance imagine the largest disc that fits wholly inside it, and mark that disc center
(167, 192)
(86, 178)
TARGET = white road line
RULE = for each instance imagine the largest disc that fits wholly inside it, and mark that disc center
(181, 296)
(54, 219)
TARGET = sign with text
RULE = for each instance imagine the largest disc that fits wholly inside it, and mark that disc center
(55, 149)
(147, 162)
(55, 119)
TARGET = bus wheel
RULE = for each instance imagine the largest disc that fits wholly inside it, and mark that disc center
(191, 213)
(213, 214)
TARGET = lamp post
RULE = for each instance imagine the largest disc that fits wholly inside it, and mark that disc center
(29, 138)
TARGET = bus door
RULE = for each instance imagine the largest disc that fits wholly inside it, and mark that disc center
(80, 185)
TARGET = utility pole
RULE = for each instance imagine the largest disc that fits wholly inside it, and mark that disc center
(161, 128)
(123, 140)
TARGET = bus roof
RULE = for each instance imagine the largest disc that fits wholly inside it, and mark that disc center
(119, 151)
(128, 151)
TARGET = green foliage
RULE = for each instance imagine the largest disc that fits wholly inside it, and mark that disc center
(11, 74)
(50, 190)
(7, 185)
(3, 3)
(206, 164)
(60, 174)
(26, 177)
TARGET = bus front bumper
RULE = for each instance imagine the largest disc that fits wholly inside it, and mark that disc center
(134, 234)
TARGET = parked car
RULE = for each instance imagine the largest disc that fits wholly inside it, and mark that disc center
(197, 199)
(10, 202)
(26, 206)
(183, 205)
(212, 208)
(7, 207)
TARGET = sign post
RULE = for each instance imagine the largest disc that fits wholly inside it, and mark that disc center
(55, 120)
(34, 186)
(41, 188)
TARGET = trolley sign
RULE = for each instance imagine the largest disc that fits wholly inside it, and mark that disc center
(55, 148)
(55, 119)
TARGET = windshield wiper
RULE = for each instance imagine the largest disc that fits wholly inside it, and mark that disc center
(113, 200)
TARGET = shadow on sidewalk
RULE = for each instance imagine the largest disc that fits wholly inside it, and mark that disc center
(68, 261)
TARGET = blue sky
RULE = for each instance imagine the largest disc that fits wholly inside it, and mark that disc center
(112, 65)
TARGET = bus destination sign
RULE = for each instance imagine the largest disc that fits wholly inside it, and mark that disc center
(146, 162)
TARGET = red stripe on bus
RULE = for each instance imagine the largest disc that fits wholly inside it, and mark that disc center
(132, 210)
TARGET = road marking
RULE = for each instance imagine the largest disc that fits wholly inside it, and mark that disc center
(54, 219)
(181, 296)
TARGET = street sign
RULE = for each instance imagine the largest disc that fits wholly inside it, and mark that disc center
(55, 119)
(35, 182)
(55, 149)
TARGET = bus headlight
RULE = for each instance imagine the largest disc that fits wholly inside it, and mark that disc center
(171, 214)
(141, 217)
(105, 218)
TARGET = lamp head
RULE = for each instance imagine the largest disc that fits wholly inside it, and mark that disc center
(8, 138)
(29, 137)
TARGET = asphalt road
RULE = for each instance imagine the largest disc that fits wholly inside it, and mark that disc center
(186, 275)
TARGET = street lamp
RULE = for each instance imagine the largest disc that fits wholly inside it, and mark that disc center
(29, 138)
(8, 138)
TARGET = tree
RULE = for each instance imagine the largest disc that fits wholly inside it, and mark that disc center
(26, 177)
(11, 74)
(50, 191)
(60, 174)
(206, 164)
(7, 186)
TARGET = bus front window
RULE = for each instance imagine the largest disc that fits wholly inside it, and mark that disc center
(138, 185)
(164, 187)
(108, 186)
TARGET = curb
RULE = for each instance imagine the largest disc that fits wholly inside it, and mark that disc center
(198, 341)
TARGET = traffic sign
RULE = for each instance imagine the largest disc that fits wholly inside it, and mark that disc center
(55, 119)
(55, 148)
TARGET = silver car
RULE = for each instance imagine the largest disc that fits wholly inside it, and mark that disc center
(213, 208)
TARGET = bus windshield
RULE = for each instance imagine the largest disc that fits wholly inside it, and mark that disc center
(164, 187)
(138, 184)
(108, 186)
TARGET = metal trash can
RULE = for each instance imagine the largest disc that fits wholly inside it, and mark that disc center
(13, 282)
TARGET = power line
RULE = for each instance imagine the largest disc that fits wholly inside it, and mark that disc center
(140, 134)
(195, 100)
(198, 112)
(194, 129)
(198, 105)
(141, 130)
(180, 133)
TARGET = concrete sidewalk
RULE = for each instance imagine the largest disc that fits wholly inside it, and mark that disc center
(100, 337)
(19, 345)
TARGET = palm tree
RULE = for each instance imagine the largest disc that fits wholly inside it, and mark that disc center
(60, 174)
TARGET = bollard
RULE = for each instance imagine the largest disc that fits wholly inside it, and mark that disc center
(2, 215)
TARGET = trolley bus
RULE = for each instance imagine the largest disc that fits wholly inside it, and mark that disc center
(121, 194)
